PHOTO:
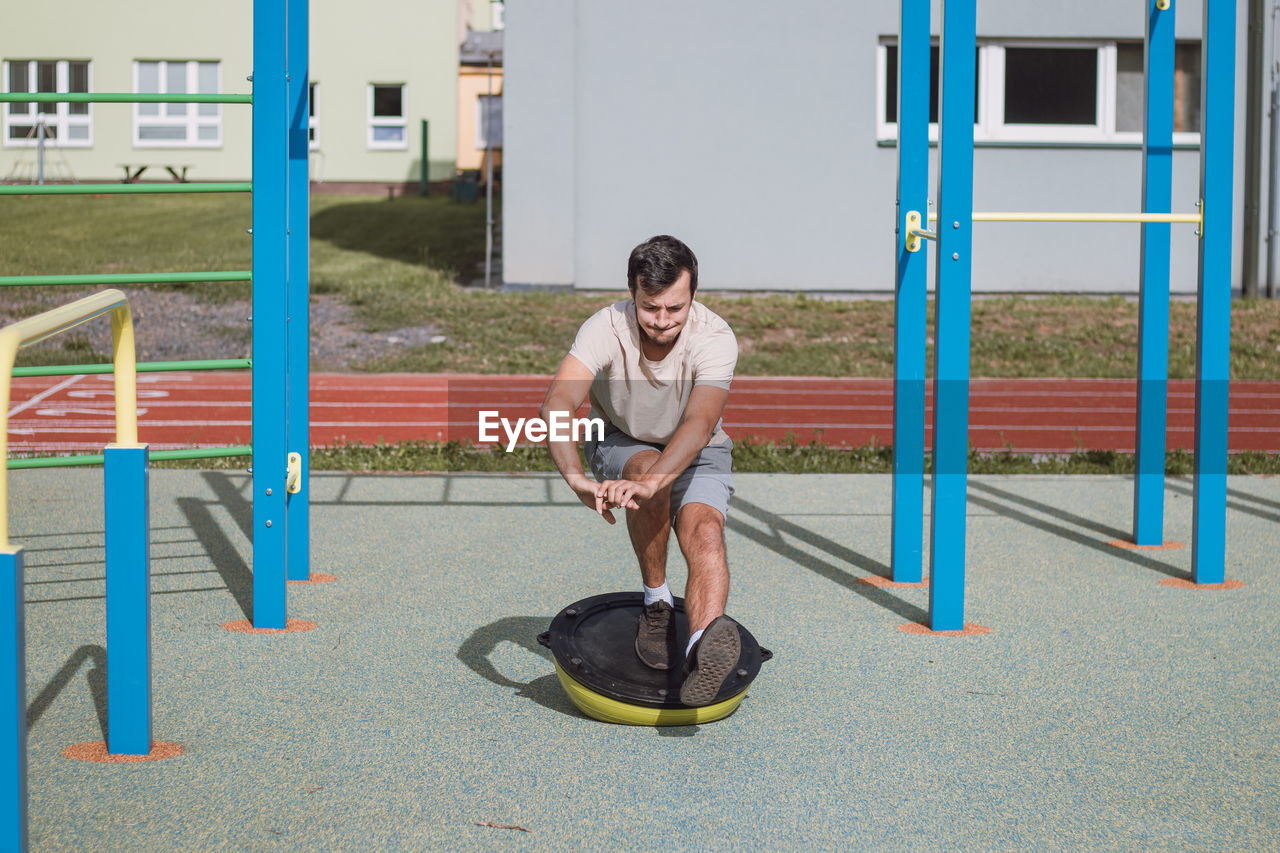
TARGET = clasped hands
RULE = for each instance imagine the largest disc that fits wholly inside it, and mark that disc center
(610, 494)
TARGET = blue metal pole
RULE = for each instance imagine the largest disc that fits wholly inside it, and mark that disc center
(298, 435)
(128, 555)
(270, 329)
(1213, 316)
(1153, 294)
(951, 350)
(13, 703)
(910, 299)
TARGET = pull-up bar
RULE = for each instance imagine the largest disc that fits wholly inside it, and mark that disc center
(916, 233)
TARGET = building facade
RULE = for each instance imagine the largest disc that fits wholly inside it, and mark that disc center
(763, 134)
(377, 72)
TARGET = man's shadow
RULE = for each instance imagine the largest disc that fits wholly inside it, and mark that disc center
(545, 690)
(523, 631)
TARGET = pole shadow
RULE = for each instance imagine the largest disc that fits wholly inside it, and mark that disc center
(1070, 535)
(240, 507)
(1056, 512)
(522, 631)
(830, 571)
(96, 677)
(1236, 505)
(235, 573)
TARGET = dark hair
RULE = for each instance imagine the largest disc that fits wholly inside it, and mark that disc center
(656, 264)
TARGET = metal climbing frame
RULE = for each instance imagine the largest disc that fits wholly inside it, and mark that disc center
(953, 239)
(280, 277)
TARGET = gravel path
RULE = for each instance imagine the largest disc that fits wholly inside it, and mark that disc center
(172, 326)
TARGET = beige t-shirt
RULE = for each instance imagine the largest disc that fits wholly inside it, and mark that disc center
(643, 398)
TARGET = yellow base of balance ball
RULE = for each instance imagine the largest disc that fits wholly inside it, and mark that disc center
(608, 710)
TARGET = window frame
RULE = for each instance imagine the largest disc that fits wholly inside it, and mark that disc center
(61, 119)
(387, 121)
(991, 128)
(313, 118)
(482, 111)
(192, 121)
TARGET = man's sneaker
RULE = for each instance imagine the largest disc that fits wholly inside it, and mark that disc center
(710, 661)
(655, 635)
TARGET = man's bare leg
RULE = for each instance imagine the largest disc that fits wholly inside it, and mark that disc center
(714, 653)
(700, 532)
(650, 525)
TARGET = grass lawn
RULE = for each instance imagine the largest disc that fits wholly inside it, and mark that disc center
(396, 262)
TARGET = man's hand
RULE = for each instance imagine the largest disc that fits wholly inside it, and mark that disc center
(585, 488)
(624, 493)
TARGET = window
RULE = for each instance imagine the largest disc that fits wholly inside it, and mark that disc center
(488, 116)
(497, 11)
(1055, 92)
(177, 125)
(388, 128)
(65, 125)
(313, 128)
(1186, 90)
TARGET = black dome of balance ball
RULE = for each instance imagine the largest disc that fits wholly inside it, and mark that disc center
(593, 644)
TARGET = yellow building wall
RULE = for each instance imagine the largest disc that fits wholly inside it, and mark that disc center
(473, 81)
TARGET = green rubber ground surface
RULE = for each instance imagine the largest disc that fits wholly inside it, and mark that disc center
(1104, 711)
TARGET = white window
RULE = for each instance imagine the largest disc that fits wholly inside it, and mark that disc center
(388, 128)
(177, 125)
(64, 125)
(1055, 92)
(488, 120)
(498, 18)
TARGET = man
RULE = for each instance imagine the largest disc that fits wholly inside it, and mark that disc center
(657, 369)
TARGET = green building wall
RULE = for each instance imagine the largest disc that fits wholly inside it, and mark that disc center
(412, 42)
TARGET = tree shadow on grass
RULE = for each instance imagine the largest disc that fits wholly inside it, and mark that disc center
(434, 232)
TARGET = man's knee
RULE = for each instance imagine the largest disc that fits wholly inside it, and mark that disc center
(639, 464)
(700, 528)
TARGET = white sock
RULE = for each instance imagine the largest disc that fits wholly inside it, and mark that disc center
(652, 594)
(692, 640)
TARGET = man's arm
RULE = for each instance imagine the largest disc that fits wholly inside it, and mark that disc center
(566, 393)
(701, 414)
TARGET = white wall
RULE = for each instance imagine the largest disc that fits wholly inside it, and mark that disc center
(748, 129)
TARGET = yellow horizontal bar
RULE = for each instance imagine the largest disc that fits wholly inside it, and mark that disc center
(49, 323)
(1006, 216)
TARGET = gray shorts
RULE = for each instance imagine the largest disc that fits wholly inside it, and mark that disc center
(708, 479)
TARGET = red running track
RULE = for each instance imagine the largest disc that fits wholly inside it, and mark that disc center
(75, 414)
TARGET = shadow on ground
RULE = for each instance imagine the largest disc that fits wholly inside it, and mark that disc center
(522, 631)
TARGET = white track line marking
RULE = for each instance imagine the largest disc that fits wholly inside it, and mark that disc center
(43, 395)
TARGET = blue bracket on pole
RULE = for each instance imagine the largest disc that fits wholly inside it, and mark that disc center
(1153, 299)
(910, 295)
(951, 351)
(298, 434)
(270, 315)
(1213, 315)
(128, 557)
(13, 703)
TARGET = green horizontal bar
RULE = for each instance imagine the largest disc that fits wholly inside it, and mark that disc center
(120, 98)
(143, 367)
(103, 189)
(155, 455)
(126, 278)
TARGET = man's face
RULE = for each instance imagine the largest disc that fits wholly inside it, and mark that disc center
(661, 317)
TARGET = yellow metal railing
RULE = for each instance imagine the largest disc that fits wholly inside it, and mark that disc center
(916, 232)
(41, 326)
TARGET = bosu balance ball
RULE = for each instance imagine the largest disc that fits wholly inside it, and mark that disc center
(593, 644)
